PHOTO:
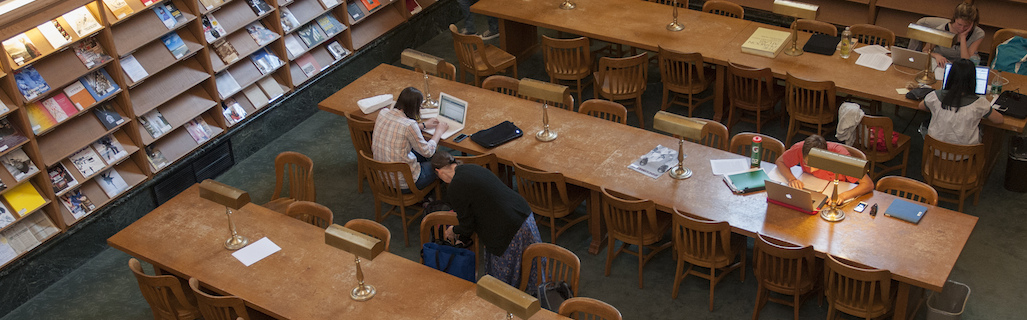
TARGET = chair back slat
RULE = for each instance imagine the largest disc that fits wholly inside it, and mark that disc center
(783, 267)
(311, 212)
(605, 109)
(623, 76)
(629, 219)
(502, 84)
(555, 264)
(872, 34)
(859, 291)
(952, 165)
(294, 171)
(748, 87)
(908, 188)
(723, 8)
(701, 242)
(543, 190)
(566, 58)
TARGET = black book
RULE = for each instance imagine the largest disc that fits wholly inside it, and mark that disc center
(108, 116)
(821, 44)
(354, 11)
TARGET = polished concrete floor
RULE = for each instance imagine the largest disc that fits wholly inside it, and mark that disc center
(104, 288)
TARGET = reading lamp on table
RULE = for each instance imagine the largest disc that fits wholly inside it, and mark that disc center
(684, 128)
(798, 10)
(426, 63)
(361, 246)
(231, 198)
(544, 91)
(567, 5)
(508, 298)
(840, 165)
(674, 25)
(933, 36)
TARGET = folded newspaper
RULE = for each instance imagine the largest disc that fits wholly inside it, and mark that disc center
(657, 161)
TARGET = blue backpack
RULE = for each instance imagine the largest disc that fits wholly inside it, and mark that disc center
(1010, 56)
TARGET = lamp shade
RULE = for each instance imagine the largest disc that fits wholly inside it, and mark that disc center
(416, 59)
(507, 297)
(796, 9)
(541, 90)
(223, 194)
(675, 124)
(837, 163)
(930, 35)
(349, 240)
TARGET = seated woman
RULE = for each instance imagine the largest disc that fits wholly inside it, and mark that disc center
(955, 110)
(796, 155)
(397, 137)
(968, 35)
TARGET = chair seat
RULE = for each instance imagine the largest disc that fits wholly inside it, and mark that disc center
(723, 259)
(694, 88)
(650, 236)
(497, 57)
(576, 196)
(279, 205)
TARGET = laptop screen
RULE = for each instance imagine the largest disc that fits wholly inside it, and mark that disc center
(451, 108)
(981, 87)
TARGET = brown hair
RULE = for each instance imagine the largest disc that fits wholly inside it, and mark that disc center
(442, 159)
(967, 11)
(409, 101)
(814, 141)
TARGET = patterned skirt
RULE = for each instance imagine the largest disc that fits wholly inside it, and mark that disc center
(507, 268)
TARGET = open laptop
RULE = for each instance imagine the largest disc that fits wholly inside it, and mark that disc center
(798, 199)
(909, 58)
(453, 112)
(980, 87)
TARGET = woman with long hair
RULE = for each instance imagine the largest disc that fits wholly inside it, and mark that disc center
(956, 111)
(969, 36)
(397, 137)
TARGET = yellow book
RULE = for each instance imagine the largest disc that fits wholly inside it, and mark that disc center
(24, 198)
(766, 42)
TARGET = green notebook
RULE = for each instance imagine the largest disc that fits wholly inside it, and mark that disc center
(745, 182)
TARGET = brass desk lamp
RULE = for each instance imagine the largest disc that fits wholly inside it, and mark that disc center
(544, 91)
(798, 10)
(425, 63)
(684, 128)
(933, 36)
(231, 198)
(508, 298)
(567, 5)
(674, 25)
(361, 246)
(839, 165)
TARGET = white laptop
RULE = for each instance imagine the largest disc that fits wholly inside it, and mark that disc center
(909, 58)
(981, 87)
(798, 199)
(453, 112)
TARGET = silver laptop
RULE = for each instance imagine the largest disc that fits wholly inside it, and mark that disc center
(799, 199)
(453, 112)
(909, 58)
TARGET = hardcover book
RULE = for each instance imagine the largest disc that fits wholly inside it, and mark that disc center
(293, 45)
(82, 21)
(119, 8)
(99, 84)
(354, 11)
(232, 111)
(289, 21)
(87, 162)
(259, 6)
(133, 69)
(271, 87)
(54, 33)
(39, 119)
(112, 183)
(78, 95)
(311, 35)
(337, 50)
(308, 64)
(155, 123)
(371, 5)
(108, 116)
(256, 97)
(19, 164)
(10, 136)
(330, 25)
(60, 178)
(165, 16)
(60, 107)
(156, 158)
(226, 84)
(260, 34)
(174, 43)
(265, 61)
(110, 149)
(766, 42)
(90, 53)
(212, 30)
(30, 83)
(226, 51)
(77, 203)
(24, 198)
(21, 49)
(199, 130)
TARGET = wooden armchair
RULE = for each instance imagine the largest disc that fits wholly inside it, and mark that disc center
(502, 84)
(872, 34)
(311, 212)
(384, 178)
(683, 76)
(605, 109)
(373, 229)
(714, 135)
(298, 170)
(786, 269)
(218, 307)
(908, 188)
(633, 222)
(479, 59)
(554, 263)
(706, 244)
(434, 225)
(741, 144)
(724, 8)
(490, 161)
(550, 196)
(814, 26)
(360, 132)
(581, 308)
(752, 96)
(165, 295)
(568, 61)
(868, 132)
(812, 108)
(954, 168)
(856, 290)
(623, 79)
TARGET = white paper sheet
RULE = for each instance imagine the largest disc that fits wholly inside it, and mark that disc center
(256, 251)
(809, 181)
(874, 61)
(726, 166)
(872, 49)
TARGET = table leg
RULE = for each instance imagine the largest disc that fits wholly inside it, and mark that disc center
(595, 223)
(718, 94)
(993, 140)
(518, 39)
(902, 302)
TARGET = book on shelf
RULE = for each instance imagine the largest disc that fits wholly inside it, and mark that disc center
(87, 161)
(77, 203)
(20, 238)
(226, 84)
(173, 10)
(155, 124)
(232, 111)
(6, 216)
(39, 119)
(256, 97)
(355, 11)
(328, 4)
(165, 16)
(78, 95)
(82, 21)
(112, 183)
(308, 64)
(30, 82)
(109, 117)
(90, 53)
(110, 149)
(311, 35)
(148, 2)
(54, 33)
(293, 45)
(10, 136)
(210, 4)
(156, 158)
(99, 84)
(413, 7)
(766, 42)
(371, 5)
(330, 25)
(271, 87)
(3, 107)
(212, 29)
(60, 107)
(21, 49)
(133, 69)
(61, 178)
(119, 8)
(199, 130)
(259, 7)
(337, 50)
(265, 61)
(260, 34)
(24, 198)
(289, 21)
(19, 165)
(175, 44)
(40, 226)
(226, 51)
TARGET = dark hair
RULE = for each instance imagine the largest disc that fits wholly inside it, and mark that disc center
(967, 11)
(962, 78)
(442, 159)
(814, 141)
(409, 102)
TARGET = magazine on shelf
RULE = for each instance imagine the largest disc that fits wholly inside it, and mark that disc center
(265, 61)
(260, 34)
(19, 238)
(311, 35)
(78, 95)
(77, 203)
(82, 21)
(112, 183)
(226, 51)
(90, 53)
(413, 7)
(10, 136)
(39, 119)
(3, 107)
(226, 84)
(173, 10)
(133, 69)
(99, 84)
(289, 21)
(232, 111)
(165, 16)
(119, 8)
(330, 25)
(199, 130)
(655, 162)
(175, 44)
(308, 64)
(329, 3)
(371, 5)
(156, 158)
(109, 117)
(87, 161)
(30, 83)
(337, 50)
(256, 97)
(60, 107)
(148, 2)
(259, 7)
(61, 178)
(21, 49)
(24, 198)
(54, 33)
(210, 4)
(110, 149)
(18, 164)
(155, 124)
(355, 11)
(212, 29)
(6, 216)
(293, 45)
(271, 87)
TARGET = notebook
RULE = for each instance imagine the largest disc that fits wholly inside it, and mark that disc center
(906, 211)
(909, 58)
(821, 44)
(981, 87)
(797, 199)
(748, 181)
(453, 112)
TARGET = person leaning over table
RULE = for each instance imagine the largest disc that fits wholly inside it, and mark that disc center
(397, 137)
(499, 215)
(797, 155)
(968, 36)
(956, 111)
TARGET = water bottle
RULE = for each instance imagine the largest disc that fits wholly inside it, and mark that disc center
(846, 46)
(757, 150)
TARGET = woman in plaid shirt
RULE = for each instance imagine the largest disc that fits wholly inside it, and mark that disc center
(397, 137)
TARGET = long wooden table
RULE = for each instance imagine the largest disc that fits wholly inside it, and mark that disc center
(307, 279)
(591, 153)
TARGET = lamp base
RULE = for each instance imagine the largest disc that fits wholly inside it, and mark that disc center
(546, 135)
(363, 292)
(832, 214)
(925, 77)
(793, 51)
(680, 173)
(675, 26)
(567, 5)
(430, 104)
(236, 242)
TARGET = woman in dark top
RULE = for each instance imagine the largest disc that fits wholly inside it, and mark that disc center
(484, 205)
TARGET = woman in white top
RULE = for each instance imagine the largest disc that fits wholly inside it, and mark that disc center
(955, 110)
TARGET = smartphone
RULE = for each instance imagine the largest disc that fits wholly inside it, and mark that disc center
(460, 137)
(860, 207)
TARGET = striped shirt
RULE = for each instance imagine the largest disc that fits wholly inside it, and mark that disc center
(396, 138)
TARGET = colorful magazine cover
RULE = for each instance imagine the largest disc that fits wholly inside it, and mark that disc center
(99, 84)
(77, 203)
(30, 83)
(60, 178)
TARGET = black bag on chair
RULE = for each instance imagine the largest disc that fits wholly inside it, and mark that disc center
(552, 294)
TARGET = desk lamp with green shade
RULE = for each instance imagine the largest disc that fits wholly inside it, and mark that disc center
(231, 198)
(361, 246)
(684, 128)
(933, 36)
(545, 91)
(427, 64)
(512, 300)
(798, 10)
(840, 165)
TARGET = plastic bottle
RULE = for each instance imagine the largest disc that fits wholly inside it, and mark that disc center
(757, 150)
(846, 44)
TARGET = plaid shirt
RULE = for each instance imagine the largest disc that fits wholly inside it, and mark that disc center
(396, 138)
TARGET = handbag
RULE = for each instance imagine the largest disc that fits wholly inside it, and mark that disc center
(455, 261)
(497, 135)
(552, 294)
(918, 94)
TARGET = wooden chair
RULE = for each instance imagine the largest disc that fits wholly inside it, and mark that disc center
(707, 244)
(566, 102)
(811, 105)
(373, 229)
(218, 307)
(872, 34)
(724, 8)
(868, 132)
(633, 222)
(490, 161)
(446, 71)
(741, 144)
(384, 178)
(605, 109)
(623, 79)
(502, 84)
(854, 152)
(568, 61)
(856, 290)
(786, 269)
(683, 74)
(554, 263)
(435, 223)
(954, 168)
(908, 188)
(360, 132)
(1001, 36)
(714, 135)
(814, 26)
(549, 195)
(752, 92)
(165, 295)
(479, 59)
(298, 169)
(582, 308)
(311, 212)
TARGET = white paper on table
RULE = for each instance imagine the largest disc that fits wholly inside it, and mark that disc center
(726, 166)
(256, 251)
(902, 91)
(809, 181)
(874, 61)
(429, 113)
(872, 49)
